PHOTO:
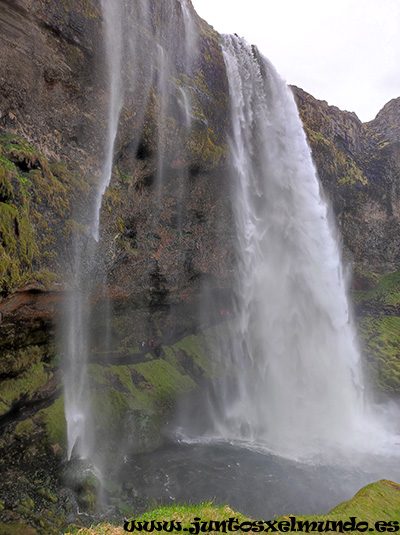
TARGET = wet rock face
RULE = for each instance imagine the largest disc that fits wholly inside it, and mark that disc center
(166, 221)
(166, 226)
(165, 237)
(55, 92)
(51, 68)
(359, 167)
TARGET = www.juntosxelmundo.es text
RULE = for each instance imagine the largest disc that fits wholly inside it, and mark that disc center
(258, 526)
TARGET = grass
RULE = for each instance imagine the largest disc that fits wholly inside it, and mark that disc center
(182, 515)
(374, 504)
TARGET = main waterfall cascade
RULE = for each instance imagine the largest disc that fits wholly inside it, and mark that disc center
(298, 388)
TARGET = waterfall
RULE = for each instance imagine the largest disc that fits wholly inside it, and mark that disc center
(143, 59)
(298, 385)
(295, 382)
(78, 413)
(112, 16)
(76, 336)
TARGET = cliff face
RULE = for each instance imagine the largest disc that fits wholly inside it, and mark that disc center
(55, 95)
(55, 90)
(358, 165)
(51, 69)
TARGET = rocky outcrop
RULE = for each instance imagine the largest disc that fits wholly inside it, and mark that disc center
(358, 165)
(51, 69)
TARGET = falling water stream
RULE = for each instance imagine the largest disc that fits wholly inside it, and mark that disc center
(299, 384)
(294, 389)
(290, 420)
(77, 331)
(125, 52)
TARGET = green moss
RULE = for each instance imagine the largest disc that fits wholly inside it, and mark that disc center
(114, 395)
(35, 201)
(141, 386)
(204, 143)
(141, 397)
(386, 289)
(374, 503)
(17, 528)
(52, 191)
(6, 187)
(53, 419)
(380, 327)
(110, 408)
(163, 376)
(380, 339)
(18, 248)
(25, 385)
(85, 7)
(24, 428)
(196, 348)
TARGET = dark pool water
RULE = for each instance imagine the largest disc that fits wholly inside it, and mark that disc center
(257, 483)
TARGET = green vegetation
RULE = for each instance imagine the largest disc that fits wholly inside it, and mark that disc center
(24, 385)
(35, 201)
(377, 502)
(144, 392)
(16, 528)
(53, 421)
(333, 161)
(379, 328)
(384, 289)
(380, 338)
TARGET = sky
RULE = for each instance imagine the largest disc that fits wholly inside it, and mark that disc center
(346, 52)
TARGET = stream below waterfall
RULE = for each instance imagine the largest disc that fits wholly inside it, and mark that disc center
(254, 482)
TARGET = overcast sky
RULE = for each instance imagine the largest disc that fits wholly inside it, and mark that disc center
(346, 52)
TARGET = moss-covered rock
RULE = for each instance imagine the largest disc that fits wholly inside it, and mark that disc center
(35, 206)
(52, 419)
(359, 167)
(377, 307)
(17, 528)
(134, 401)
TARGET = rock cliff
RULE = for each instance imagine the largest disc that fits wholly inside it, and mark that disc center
(160, 243)
(358, 165)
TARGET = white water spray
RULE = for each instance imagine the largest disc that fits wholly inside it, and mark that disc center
(76, 344)
(112, 16)
(298, 388)
(135, 70)
(76, 390)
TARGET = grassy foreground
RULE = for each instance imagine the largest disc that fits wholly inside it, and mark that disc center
(377, 504)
